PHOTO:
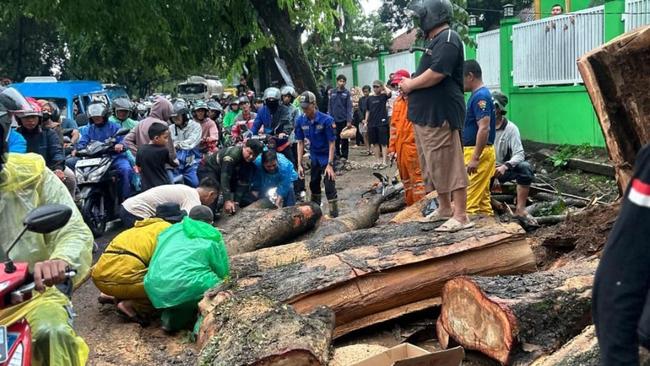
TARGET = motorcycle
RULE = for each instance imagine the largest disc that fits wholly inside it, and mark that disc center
(100, 198)
(17, 285)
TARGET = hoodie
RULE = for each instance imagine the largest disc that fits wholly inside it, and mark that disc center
(160, 113)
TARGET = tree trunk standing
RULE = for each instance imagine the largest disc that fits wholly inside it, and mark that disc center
(515, 319)
(287, 40)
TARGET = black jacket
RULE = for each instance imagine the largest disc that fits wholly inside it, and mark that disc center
(45, 142)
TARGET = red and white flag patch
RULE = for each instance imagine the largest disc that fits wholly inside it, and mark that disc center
(639, 193)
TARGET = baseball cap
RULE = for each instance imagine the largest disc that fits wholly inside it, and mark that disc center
(306, 99)
(399, 75)
(500, 100)
(377, 83)
(170, 211)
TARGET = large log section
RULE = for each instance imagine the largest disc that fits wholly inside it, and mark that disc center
(517, 317)
(363, 281)
(616, 76)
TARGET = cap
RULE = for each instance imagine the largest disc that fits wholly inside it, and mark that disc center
(255, 145)
(170, 211)
(306, 99)
(202, 213)
(377, 83)
(399, 75)
(500, 100)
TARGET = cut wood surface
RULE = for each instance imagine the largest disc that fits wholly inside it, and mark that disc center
(228, 223)
(273, 228)
(616, 76)
(414, 212)
(257, 331)
(364, 215)
(518, 317)
(367, 280)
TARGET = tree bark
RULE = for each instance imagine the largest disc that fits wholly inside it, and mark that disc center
(393, 205)
(229, 223)
(275, 227)
(258, 331)
(414, 212)
(363, 216)
(367, 280)
(515, 319)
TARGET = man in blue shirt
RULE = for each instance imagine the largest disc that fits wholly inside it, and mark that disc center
(340, 108)
(100, 129)
(320, 130)
(273, 170)
(478, 139)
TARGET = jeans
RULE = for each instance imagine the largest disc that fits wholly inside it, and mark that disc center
(522, 173)
(342, 145)
(317, 171)
(125, 171)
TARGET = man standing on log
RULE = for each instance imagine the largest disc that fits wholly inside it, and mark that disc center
(621, 297)
(320, 130)
(437, 110)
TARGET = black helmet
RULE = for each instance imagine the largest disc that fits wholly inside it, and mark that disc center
(122, 104)
(272, 93)
(179, 107)
(54, 114)
(97, 109)
(213, 105)
(431, 13)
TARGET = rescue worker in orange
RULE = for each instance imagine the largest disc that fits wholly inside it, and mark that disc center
(402, 145)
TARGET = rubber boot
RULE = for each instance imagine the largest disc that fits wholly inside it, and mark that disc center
(334, 208)
(315, 197)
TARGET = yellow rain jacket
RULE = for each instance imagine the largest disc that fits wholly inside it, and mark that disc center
(121, 269)
(26, 183)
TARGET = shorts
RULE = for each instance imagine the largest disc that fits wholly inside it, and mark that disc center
(378, 135)
(441, 158)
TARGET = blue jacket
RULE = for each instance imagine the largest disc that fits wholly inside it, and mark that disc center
(45, 142)
(282, 179)
(274, 123)
(340, 105)
(16, 142)
(320, 132)
(92, 132)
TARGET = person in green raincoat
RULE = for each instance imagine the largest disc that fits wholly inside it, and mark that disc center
(190, 258)
(27, 183)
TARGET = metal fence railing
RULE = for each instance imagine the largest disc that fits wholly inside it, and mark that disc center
(545, 51)
(637, 13)
(368, 71)
(403, 60)
(488, 55)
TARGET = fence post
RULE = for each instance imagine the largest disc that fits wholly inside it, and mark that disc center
(470, 50)
(505, 40)
(355, 72)
(333, 73)
(382, 65)
(614, 25)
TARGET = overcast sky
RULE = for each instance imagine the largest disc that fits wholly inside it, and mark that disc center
(370, 5)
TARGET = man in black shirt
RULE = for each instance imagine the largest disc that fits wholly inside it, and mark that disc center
(151, 158)
(437, 110)
(377, 121)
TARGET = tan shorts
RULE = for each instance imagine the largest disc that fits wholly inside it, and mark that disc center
(441, 158)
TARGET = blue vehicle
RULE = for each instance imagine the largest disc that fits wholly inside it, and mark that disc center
(115, 91)
(68, 95)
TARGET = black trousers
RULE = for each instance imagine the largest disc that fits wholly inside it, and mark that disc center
(317, 172)
(299, 185)
(342, 145)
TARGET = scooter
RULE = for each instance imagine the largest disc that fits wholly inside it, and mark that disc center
(100, 198)
(17, 285)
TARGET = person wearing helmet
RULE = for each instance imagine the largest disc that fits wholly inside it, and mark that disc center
(186, 134)
(233, 112)
(275, 118)
(26, 183)
(243, 122)
(437, 109)
(209, 130)
(122, 108)
(46, 143)
(289, 99)
(100, 129)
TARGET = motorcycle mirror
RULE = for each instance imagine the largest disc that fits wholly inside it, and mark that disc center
(47, 218)
(122, 132)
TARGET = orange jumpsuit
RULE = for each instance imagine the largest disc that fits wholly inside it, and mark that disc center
(402, 142)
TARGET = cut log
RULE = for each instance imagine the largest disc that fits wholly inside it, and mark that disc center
(363, 216)
(275, 227)
(518, 317)
(582, 350)
(229, 223)
(368, 280)
(414, 212)
(550, 220)
(393, 205)
(258, 331)
(616, 77)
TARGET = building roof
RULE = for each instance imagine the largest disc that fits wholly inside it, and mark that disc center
(404, 41)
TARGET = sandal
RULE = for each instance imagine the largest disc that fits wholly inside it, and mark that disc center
(435, 216)
(452, 225)
(528, 222)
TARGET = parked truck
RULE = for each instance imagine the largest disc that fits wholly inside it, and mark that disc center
(198, 87)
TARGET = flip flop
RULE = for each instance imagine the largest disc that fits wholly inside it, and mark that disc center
(452, 225)
(528, 222)
(436, 217)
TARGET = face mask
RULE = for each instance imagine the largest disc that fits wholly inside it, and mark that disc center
(273, 105)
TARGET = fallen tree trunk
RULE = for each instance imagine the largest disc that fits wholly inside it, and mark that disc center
(363, 216)
(414, 212)
(258, 331)
(275, 227)
(229, 223)
(582, 350)
(393, 205)
(615, 75)
(368, 280)
(517, 317)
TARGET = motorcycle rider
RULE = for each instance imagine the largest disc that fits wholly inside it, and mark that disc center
(122, 108)
(288, 96)
(186, 135)
(209, 131)
(233, 112)
(215, 112)
(275, 117)
(243, 121)
(26, 183)
(45, 142)
(100, 129)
